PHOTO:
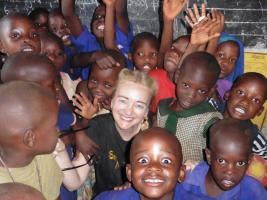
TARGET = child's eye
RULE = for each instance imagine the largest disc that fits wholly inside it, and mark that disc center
(185, 85)
(108, 85)
(34, 35)
(94, 81)
(221, 161)
(123, 101)
(241, 163)
(143, 160)
(232, 60)
(140, 54)
(257, 101)
(202, 91)
(220, 55)
(154, 54)
(166, 161)
(14, 35)
(61, 53)
(240, 92)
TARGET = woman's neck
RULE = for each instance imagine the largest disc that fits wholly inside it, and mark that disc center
(128, 134)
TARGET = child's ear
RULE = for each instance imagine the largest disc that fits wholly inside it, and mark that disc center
(1, 47)
(129, 172)
(130, 57)
(29, 138)
(181, 176)
(226, 95)
(260, 111)
(207, 152)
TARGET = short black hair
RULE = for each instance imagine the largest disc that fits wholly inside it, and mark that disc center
(38, 11)
(253, 76)
(204, 61)
(144, 36)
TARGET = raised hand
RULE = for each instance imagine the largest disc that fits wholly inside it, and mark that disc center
(109, 2)
(172, 8)
(219, 26)
(193, 17)
(84, 107)
(104, 61)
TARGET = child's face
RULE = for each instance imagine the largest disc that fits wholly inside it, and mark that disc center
(19, 35)
(145, 56)
(41, 22)
(227, 55)
(228, 162)
(102, 83)
(54, 52)
(130, 105)
(173, 55)
(192, 88)
(48, 131)
(98, 22)
(245, 100)
(155, 167)
(58, 26)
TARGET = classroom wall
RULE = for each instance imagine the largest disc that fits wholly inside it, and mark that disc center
(246, 19)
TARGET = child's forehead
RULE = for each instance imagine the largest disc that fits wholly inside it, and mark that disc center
(146, 42)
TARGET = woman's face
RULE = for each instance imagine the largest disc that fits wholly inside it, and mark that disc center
(130, 106)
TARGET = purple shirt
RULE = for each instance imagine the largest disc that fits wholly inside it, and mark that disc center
(248, 189)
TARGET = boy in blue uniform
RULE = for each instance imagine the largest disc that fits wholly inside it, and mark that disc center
(155, 166)
(228, 156)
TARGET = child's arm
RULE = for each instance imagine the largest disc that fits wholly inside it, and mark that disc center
(73, 178)
(218, 28)
(102, 59)
(171, 8)
(73, 21)
(109, 31)
(121, 15)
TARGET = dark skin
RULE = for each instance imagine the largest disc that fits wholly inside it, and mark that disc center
(194, 85)
(155, 164)
(246, 98)
(229, 156)
(18, 34)
(10, 191)
(27, 105)
(41, 22)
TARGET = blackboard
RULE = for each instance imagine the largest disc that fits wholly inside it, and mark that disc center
(246, 19)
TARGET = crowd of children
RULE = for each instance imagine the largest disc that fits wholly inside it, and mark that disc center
(100, 113)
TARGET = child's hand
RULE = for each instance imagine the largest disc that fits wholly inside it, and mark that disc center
(219, 26)
(60, 147)
(109, 2)
(201, 31)
(85, 108)
(172, 8)
(190, 164)
(125, 186)
(104, 61)
(193, 17)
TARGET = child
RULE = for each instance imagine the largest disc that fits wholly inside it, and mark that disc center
(244, 101)
(227, 54)
(12, 40)
(92, 42)
(13, 191)
(155, 166)
(228, 156)
(39, 16)
(190, 115)
(165, 77)
(28, 113)
(101, 85)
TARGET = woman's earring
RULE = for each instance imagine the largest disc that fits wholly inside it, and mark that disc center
(145, 124)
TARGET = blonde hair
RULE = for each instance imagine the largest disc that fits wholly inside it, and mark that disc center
(138, 77)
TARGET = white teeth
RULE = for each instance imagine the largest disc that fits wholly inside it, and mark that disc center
(27, 50)
(153, 181)
(147, 67)
(65, 37)
(227, 182)
(240, 110)
(101, 27)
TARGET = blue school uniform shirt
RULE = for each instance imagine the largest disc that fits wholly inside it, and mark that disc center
(132, 194)
(248, 189)
(87, 42)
